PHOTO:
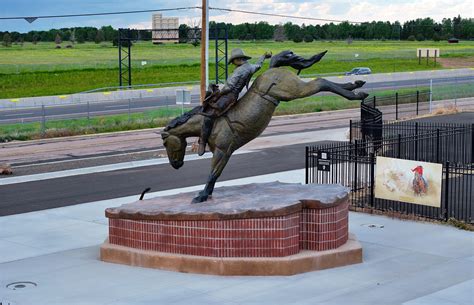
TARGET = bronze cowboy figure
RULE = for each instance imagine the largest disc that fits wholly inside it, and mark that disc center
(218, 102)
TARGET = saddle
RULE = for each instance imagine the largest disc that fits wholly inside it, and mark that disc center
(217, 104)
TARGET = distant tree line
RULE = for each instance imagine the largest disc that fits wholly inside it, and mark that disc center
(72, 35)
(419, 29)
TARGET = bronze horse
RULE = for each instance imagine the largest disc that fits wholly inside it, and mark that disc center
(247, 119)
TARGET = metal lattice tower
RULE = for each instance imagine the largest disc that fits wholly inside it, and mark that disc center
(220, 37)
(125, 59)
(125, 40)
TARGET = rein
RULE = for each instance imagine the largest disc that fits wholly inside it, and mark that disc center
(267, 97)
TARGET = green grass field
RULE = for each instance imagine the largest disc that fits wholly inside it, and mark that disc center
(70, 127)
(36, 70)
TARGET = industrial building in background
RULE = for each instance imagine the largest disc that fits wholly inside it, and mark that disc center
(165, 29)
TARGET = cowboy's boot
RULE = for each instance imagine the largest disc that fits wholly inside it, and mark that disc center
(205, 133)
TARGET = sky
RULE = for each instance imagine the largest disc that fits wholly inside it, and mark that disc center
(362, 10)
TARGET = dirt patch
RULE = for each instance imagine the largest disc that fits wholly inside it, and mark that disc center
(457, 62)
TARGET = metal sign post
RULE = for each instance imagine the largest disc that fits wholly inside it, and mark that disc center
(431, 95)
(323, 161)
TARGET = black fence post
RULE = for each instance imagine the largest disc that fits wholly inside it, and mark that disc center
(129, 59)
(419, 57)
(472, 143)
(372, 179)
(350, 131)
(446, 193)
(399, 148)
(417, 100)
(396, 106)
(119, 42)
(354, 179)
(306, 165)
(375, 100)
(437, 145)
(416, 140)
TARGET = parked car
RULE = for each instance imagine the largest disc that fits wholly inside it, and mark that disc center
(359, 71)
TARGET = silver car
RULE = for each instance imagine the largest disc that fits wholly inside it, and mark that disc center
(359, 71)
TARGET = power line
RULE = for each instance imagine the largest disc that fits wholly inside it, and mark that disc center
(33, 18)
(280, 15)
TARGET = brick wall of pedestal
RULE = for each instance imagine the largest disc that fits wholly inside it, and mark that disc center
(309, 229)
(257, 237)
(324, 229)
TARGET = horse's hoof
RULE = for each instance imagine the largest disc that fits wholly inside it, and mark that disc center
(199, 199)
(359, 83)
(362, 95)
(201, 149)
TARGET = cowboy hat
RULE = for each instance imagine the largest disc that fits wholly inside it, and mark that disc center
(237, 53)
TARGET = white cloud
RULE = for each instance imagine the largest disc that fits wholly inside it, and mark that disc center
(360, 11)
(140, 25)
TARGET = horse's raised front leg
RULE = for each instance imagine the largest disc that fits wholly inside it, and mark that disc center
(219, 161)
(351, 86)
(322, 84)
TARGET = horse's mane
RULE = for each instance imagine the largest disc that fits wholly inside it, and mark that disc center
(183, 118)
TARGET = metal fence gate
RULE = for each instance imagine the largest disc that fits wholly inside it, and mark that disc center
(353, 164)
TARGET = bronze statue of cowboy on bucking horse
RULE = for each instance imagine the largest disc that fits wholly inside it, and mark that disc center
(226, 123)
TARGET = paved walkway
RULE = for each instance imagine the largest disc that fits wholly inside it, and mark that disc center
(405, 262)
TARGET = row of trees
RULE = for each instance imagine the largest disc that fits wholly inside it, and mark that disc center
(419, 29)
(73, 35)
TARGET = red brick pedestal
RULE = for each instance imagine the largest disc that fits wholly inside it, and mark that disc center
(241, 225)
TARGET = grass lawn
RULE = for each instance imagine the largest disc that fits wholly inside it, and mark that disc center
(102, 124)
(36, 70)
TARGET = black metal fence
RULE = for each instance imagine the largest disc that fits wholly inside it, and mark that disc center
(403, 105)
(353, 164)
(425, 141)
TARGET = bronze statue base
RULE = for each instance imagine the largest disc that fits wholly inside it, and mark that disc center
(256, 229)
(305, 261)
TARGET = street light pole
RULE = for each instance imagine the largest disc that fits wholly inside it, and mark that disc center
(204, 48)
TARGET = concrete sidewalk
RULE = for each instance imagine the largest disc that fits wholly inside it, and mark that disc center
(405, 262)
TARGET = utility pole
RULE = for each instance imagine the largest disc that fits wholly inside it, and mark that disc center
(204, 48)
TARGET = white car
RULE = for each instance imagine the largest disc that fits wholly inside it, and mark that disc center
(359, 71)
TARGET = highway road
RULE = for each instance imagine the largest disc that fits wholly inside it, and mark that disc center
(139, 105)
(58, 192)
